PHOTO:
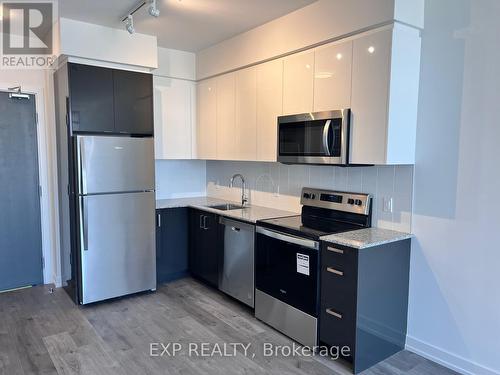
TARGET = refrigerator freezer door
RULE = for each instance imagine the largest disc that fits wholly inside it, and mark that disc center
(114, 164)
(117, 240)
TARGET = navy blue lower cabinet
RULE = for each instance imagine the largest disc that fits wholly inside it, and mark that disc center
(204, 246)
(364, 301)
(171, 244)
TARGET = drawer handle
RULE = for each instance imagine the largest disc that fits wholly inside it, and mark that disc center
(334, 313)
(335, 271)
(335, 250)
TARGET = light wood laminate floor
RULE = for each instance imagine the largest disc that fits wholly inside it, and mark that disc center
(46, 333)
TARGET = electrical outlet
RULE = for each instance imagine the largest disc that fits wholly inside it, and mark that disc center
(387, 204)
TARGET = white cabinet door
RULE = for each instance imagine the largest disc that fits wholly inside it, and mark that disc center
(174, 103)
(226, 129)
(332, 77)
(370, 92)
(269, 107)
(298, 83)
(206, 131)
(246, 114)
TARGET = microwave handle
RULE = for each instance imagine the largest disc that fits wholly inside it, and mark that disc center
(326, 132)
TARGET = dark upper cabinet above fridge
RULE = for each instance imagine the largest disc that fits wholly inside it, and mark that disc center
(91, 98)
(133, 102)
(110, 101)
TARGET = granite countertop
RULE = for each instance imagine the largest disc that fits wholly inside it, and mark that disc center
(364, 238)
(250, 213)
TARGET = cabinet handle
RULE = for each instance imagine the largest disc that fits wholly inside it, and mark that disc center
(335, 271)
(235, 229)
(335, 250)
(334, 313)
(159, 220)
(201, 221)
(205, 222)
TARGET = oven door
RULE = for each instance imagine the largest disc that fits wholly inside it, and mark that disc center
(287, 269)
(314, 138)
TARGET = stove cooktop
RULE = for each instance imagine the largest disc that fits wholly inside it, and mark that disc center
(297, 226)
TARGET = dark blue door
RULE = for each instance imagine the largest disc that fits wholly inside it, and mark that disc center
(20, 227)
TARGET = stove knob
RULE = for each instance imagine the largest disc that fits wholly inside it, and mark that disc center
(313, 196)
(350, 201)
(306, 195)
(358, 202)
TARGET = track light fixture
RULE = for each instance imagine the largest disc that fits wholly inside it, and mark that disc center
(153, 8)
(129, 24)
(153, 11)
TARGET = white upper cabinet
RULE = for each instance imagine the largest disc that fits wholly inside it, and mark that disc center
(246, 114)
(332, 76)
(226, 124)
(269, 107)
(385, 79)
(298, 83)
(174, 115)
(376, 74)
(206, 134)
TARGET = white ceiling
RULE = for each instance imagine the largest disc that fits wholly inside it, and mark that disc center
(189, 25)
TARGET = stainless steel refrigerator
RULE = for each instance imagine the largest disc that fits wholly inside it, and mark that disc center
(114, 216)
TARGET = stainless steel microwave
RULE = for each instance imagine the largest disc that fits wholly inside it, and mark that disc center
(314, 138)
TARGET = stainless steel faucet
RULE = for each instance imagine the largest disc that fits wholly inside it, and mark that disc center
(243, 198)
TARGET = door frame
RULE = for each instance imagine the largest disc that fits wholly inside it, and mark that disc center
(46, 175)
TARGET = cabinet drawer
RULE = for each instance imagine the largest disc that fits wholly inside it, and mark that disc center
(337, 328)
(340, 294)
(340, 256)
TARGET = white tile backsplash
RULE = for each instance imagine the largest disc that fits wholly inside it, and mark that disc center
(278, 185)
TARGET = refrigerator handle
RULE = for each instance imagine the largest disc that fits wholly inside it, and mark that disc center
(81, 166)
(85, 224)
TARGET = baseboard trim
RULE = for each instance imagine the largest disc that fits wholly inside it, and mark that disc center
(447, 359)
(57, 280)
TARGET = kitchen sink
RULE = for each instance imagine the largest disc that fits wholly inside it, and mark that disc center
(228, 207)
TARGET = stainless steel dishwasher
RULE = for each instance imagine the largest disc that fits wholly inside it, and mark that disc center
(236, 264)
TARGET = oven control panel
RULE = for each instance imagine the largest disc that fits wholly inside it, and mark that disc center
(337, 200)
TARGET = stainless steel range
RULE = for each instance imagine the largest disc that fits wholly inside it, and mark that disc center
(287, 259)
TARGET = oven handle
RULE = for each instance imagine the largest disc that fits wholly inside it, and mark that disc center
(326, 131)
(290, 239)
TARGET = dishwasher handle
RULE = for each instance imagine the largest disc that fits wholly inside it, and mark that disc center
(236, 226)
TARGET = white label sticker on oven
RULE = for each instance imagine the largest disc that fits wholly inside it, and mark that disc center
(303, 264)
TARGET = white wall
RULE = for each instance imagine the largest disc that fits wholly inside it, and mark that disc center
(266, 179)
(173, 63)
(316, 23)
(454, 314)
(89, 41)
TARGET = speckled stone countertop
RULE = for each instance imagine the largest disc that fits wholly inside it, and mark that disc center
(364, 238)
(250, 213)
